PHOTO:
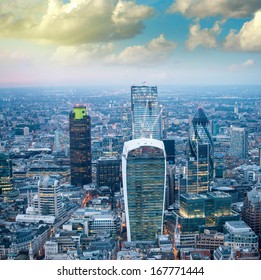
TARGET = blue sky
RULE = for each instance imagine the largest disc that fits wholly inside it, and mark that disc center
(121, 43)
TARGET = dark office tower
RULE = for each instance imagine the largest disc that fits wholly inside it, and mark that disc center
(109, 173)
(170, 150)
(80, 146)
(146, 113)
(171, 192)
(259, 156)
(6, 175)
(198, 171)
(200, 134)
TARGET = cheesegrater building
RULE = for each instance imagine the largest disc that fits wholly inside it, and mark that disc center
(80, 146)
(144, 180)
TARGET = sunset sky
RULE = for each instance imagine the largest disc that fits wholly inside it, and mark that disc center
(109, 42)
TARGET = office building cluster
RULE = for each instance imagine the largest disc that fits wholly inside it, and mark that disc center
(130, 175)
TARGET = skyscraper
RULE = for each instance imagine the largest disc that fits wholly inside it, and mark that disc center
(251, 211)
(201, 152)
(6, 174)
(80, 146)
(144, 179)
(108, 173)
(49, 197)
(238, 142)
(198, 170)
(146, 112)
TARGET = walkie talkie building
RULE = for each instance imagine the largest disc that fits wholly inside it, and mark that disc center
(143, 171)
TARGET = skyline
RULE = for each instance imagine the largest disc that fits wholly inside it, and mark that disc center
(109, 42)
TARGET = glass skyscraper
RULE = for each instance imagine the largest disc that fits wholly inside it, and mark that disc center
(144, 180)
(201, 154)
(146, 112)
(198, 170)
(238, 142)
(80, 146)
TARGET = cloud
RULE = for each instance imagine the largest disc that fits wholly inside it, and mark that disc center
(81, 55)
(248, 38)
(224, 8)
(156, 51)
(203, 37)
(237, 67)
(76, 22)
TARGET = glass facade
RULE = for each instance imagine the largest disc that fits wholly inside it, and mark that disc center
(144, 168)
(80, 147)
(146, 119)
(109, 173)
(209, 210)
(238, 142)
(198, 171)
(199, 137)
(6, 175)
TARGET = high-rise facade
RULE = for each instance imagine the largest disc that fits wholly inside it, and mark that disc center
(49, 197)
(146, 112)
(201, 154)
(198, 170)
(238, 142)
(6, 174)
(251, 211)
(144, 180)
(80, 146)
(108, 173)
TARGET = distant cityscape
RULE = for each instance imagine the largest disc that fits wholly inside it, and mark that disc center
(140, 173)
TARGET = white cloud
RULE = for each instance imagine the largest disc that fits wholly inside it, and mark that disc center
(76, 22)
(81, 55)
(156, 51)
(206, 8)
(248, 38)
(203, 37)
(237, 67)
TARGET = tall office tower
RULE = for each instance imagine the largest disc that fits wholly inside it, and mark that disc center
(6, 174)
(238, 142)
(259, 156)
(169, 145)
(198, 170)
(109, 173)
(144, 180)
(171, 186)
(146, 112)
(57, 141)
(49, 197)
(251, 212)
(80, 146)
(200, 134)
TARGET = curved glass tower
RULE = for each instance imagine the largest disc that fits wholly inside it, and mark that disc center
(143, 172)
(201, 150)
